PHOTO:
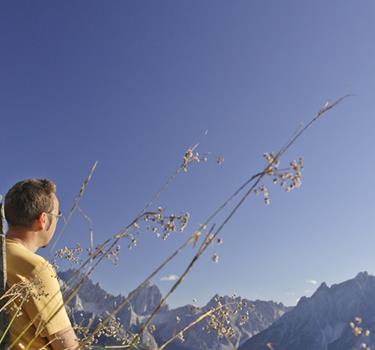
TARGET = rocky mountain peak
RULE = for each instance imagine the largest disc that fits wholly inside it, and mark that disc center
(322, 321)
(323, 288)
(362, 276)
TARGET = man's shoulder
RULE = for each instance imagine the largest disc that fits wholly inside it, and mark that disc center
(44, 268)
(21, 261)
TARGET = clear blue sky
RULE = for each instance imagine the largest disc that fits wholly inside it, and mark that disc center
(132, 84)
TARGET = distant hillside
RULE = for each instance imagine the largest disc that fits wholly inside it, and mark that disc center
(93, 302)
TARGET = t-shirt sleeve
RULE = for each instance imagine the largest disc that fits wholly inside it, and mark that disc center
(45, 306)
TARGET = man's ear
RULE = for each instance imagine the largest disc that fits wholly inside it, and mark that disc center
(41, 221)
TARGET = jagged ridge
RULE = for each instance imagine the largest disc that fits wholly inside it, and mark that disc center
(93, 301)
(322, 322)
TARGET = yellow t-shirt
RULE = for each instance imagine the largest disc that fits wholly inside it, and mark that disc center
(42, 313)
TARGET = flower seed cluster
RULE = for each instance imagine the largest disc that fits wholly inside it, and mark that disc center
(191, 156)
(289, 178)
(166, 224)
(358, 330)
(73, 255)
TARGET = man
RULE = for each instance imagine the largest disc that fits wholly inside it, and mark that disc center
(32, 210)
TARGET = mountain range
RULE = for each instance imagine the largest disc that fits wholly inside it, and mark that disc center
(340, 317)
(242, 317)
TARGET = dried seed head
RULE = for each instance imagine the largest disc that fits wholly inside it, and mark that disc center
(180, 337)
(220, 160)
(73, 255)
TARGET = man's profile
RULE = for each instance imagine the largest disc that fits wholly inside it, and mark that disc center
(32, 211)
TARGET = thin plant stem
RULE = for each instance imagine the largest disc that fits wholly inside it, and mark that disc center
(74, 206)
(91, 230)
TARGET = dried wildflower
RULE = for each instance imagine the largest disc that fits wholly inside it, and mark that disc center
(136, 225)
(272, 163)
(195, 237)
(244, 319)
(132, 243)
(219, 322)
(220, 160)
(155, 216)
(189, 157)
(192, 156)
(357, 329)
(209, 239)
(180, 337)
(20, 293)
(81, 331)
(170, 226)
(266, 196)
(73, 255)
(152, 328)
(111, 329)
(290, 178)
(165, 224)
(215, 258)
(219, 241)
(114, 254)
(184, 220)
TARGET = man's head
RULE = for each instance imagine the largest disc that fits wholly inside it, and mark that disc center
(32, 205)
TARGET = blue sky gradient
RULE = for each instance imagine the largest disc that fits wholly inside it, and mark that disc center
(133, 84)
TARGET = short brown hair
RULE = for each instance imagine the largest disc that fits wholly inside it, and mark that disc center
(27, 199)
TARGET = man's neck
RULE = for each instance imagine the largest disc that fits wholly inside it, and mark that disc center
(25, 237)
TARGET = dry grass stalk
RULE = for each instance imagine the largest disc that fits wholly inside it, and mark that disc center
(91, 230)
(74, 206)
